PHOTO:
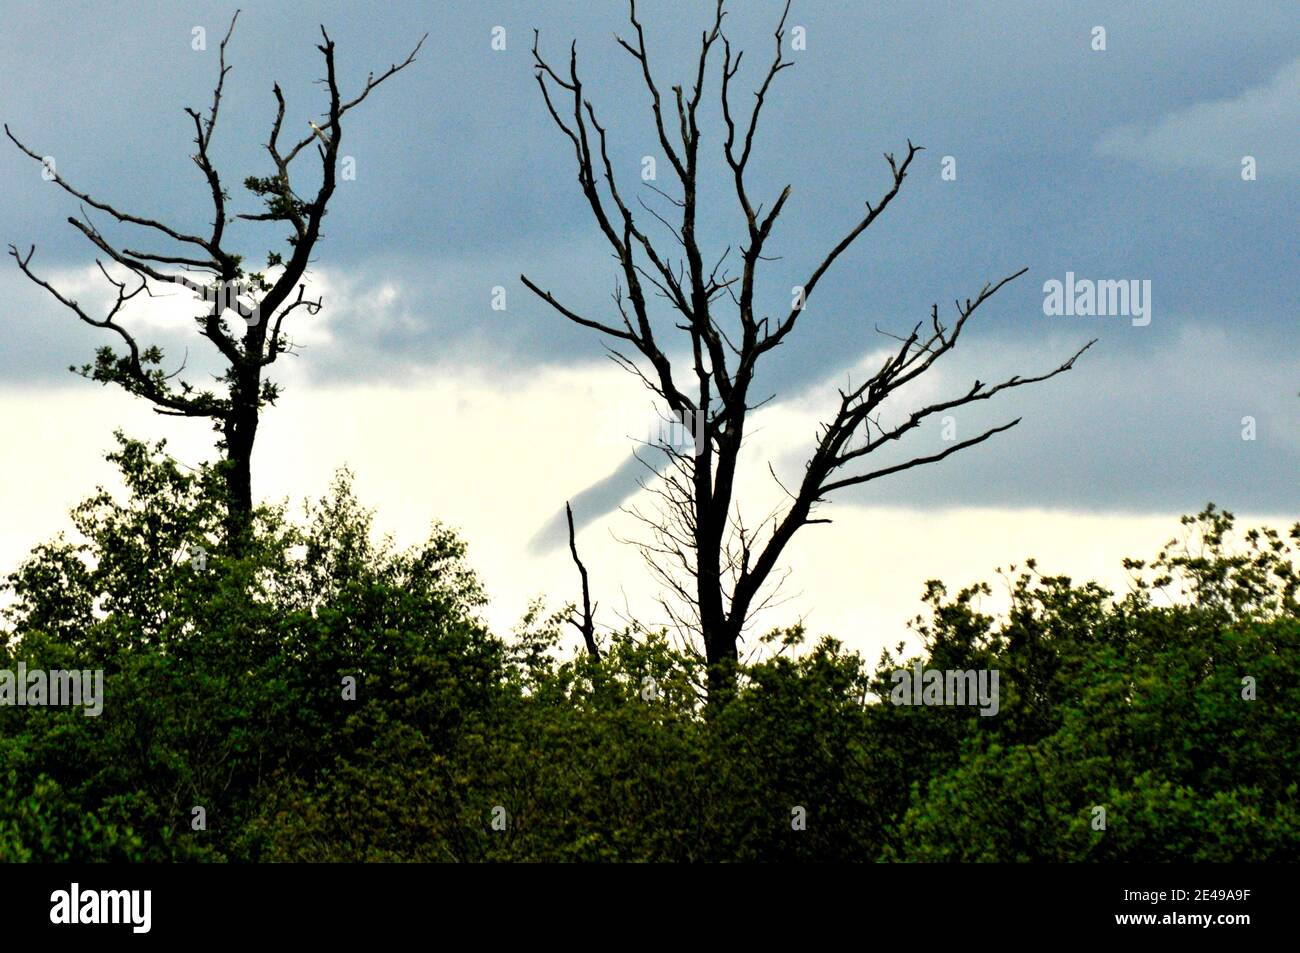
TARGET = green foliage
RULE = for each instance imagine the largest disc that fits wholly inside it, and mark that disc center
(224, 688)
(281, 203)
(1138, 707)
(221, 675)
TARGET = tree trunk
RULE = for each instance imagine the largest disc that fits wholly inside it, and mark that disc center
(716, 629)
(240, 433)
(720, 653)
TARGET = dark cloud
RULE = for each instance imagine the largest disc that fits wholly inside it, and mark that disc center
(462, 184)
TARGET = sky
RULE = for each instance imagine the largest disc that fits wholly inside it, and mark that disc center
(1122, 163)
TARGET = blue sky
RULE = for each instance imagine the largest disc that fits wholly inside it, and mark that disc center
(1121, 164)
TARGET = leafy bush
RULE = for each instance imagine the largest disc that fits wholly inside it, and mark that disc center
(226, 687)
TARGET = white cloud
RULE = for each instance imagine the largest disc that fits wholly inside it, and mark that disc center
(1261, 122)
(496, 456)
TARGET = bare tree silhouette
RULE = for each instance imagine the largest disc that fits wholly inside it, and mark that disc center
(718, 571)
(219, 277)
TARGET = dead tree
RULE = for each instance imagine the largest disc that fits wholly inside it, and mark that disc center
(201, 261)
(718, 568)
(585, 624)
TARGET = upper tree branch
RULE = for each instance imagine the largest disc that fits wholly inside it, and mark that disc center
(104, 206)
(130, 372)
